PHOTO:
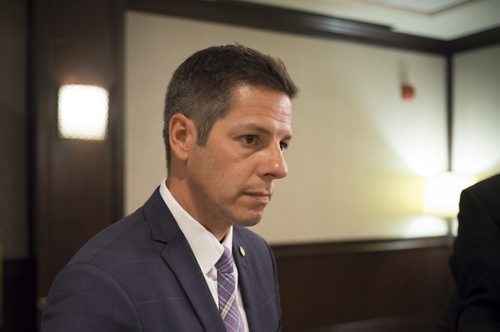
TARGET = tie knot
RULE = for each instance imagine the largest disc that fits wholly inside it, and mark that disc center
(225, 262)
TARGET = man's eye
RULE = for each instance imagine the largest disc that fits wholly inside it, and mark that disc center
(250, 139)
(283, 146)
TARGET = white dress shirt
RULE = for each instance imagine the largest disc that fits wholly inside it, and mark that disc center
(206, 248)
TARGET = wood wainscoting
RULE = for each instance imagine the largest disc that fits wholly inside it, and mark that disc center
(376, 285)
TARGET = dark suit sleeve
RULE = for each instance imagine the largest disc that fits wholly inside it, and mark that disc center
(476, 265)
(85, 298)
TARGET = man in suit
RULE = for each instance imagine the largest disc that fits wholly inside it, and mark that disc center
(168, 266)
(475, 262)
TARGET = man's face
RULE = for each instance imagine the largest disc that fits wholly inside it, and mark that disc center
(231, 178)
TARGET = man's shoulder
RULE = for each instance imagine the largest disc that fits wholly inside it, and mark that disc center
(487, 190)
(115, 242)
(130, 238)
(490, 183)
(487, 194)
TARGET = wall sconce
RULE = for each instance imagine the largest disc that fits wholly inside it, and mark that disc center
(82, 112)
(442, 193)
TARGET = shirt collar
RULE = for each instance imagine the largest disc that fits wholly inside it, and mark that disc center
(206, 248)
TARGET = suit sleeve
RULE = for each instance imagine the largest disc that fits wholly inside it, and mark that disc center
(476, 266)
(85, 298)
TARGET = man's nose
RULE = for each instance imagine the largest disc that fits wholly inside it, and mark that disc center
(274, 164)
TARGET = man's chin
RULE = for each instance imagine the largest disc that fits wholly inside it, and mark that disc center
(249, 221)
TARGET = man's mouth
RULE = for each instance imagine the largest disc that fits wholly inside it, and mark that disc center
(260, 196)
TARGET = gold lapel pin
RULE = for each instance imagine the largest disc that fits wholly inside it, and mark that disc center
(242, 251)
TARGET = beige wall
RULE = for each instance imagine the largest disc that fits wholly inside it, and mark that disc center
(359, 151)
(477, 111)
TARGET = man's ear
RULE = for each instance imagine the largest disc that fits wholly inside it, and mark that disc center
(182, 136)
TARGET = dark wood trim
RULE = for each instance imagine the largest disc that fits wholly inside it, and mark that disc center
(40, 125)
(428, 321)
(30, 129)
(117, 113)
(477, 40)
(376, 285)
(289, 21)
(449, 109)
(364, 246)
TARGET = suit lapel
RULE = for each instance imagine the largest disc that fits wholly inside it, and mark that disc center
(178, 255)
(245, 280)
(181, 260)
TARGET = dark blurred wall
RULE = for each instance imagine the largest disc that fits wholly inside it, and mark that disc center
(18, 278)
(13, 126)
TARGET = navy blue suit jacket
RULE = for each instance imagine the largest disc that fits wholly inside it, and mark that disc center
(140, 274)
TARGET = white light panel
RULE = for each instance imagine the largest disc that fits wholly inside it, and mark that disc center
(83, 112)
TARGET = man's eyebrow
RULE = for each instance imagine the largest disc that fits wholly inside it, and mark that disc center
(261, 130)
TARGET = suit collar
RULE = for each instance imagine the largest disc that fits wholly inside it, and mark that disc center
(164, 229)
(178, 255)
(205, 246)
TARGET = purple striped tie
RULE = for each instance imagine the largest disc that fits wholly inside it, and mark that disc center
(226, 286)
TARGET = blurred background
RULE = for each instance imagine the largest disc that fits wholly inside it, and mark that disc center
(397, 113)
